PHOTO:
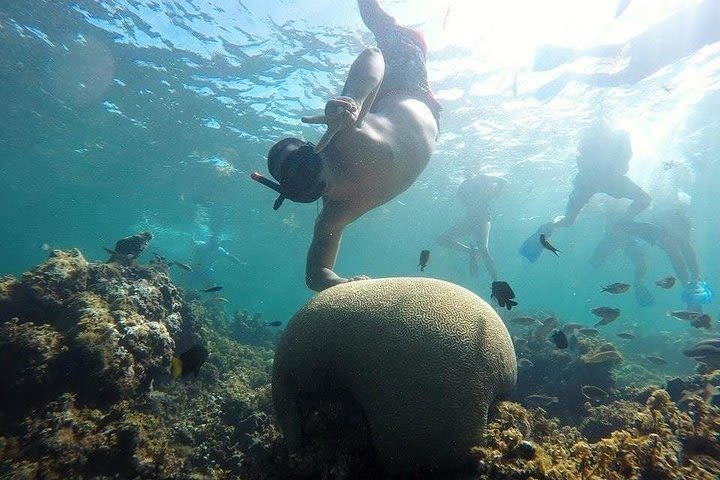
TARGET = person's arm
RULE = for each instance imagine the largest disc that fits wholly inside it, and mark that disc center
(322, 254)
(640, 198)
(361, 87)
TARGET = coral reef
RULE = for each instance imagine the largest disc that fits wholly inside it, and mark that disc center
(657, 440)
(86, 351)
(383, 355)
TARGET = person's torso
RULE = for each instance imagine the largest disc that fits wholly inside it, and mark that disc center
(385, 155)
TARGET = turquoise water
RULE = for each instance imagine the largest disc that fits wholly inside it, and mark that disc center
(120, 116)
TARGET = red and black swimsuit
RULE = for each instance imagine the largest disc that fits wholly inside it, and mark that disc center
(405, 54)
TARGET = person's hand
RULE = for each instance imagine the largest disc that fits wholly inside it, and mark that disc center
(358, 277)
(340, 113)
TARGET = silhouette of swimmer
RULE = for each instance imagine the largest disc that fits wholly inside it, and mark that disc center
(603, 161)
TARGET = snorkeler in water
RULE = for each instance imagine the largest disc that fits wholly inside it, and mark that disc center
(381, 132)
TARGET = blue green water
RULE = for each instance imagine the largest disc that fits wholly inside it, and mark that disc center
(119, 116)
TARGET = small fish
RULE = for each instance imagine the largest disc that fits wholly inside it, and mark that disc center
(540, 400)
(520, 342)
(547, 245)
(45, 247)
(222, 300)
(616, 288)
(666, 283)
(546, 326)
(216, 288)
(276, 323)
(559, 339)
(424, 259)
(626, 335)
(606, 314)
(571, 327)
(525, 363)
(667, 165)
(596, 394)
(159, 258)
(702, 322)
(685, 315)
(667, 88)
(183, 266)
(503, 293)
(524, 321)
(655, 360)
(189, 361)
(602, 357)
(589, 332)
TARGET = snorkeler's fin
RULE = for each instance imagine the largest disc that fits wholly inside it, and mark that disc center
(532, 248)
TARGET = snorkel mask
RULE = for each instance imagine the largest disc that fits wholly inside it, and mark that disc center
(297, 172)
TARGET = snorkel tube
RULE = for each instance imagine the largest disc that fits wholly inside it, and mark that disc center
(270, 184)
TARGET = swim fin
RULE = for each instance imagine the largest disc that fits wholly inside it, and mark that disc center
(532, 248)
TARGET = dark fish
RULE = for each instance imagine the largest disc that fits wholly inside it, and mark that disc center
(276, 323)
(596, 394)
(654, 359)
(183, 266)
(667, 282)
(702, 322)
(616, 288)
(133, 245)
(189, 361)
(547, 245)
(685, 314)
(559, 339)
(424, 259)
(626, 335)
(606, 313)
(696, 319)
(502, 292)
(216, 288)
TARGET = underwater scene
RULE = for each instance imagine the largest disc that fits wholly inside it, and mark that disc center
(360, 239)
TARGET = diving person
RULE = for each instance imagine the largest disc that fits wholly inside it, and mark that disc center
(603, 162)
(380, 135)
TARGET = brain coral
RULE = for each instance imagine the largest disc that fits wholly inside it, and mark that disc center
(423, 358)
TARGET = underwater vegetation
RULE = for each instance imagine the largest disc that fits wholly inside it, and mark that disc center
(87, 349)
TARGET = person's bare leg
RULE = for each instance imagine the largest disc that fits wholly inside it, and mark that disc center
(484, 252)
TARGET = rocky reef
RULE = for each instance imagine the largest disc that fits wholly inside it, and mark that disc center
(86, 348)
